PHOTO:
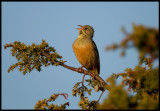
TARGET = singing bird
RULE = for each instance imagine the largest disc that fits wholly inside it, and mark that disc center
(86, 51)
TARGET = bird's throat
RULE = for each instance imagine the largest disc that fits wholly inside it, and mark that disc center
(81, 36)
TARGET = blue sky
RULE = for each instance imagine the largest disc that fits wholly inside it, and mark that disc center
(56, 22)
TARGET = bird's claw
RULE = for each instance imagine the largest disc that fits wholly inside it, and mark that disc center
(80, 69)
(94, 75)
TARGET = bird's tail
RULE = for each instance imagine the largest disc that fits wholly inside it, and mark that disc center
(98, 86)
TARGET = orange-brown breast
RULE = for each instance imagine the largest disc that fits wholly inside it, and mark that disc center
(87, 54)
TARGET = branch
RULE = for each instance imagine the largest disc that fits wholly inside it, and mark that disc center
(45, 103)
(31, 57)
(93, 75)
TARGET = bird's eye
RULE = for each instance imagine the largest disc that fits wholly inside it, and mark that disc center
(86, 28)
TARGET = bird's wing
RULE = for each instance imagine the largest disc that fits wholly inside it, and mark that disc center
(96, 55)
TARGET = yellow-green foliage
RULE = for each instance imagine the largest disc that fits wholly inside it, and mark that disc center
(44, 104)
(142, 81)
(144, 39)
(117, 99)
(84, 103)
(31, 57)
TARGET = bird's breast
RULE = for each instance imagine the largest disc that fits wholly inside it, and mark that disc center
(84, 52)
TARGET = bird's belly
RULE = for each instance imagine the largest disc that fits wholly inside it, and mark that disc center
(85, 55)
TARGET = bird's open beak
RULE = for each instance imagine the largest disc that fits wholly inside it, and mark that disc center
(80, 28)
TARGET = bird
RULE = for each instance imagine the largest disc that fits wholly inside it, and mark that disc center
(86, 51)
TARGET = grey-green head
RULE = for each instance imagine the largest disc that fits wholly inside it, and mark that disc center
(86, 31)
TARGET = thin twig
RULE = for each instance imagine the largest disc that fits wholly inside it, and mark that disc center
(100, 96)
(82, 82)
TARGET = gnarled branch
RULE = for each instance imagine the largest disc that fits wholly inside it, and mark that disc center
(93, 75)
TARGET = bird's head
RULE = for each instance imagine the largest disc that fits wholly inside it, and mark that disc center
(86, 31)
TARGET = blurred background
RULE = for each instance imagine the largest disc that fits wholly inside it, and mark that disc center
(56, 23)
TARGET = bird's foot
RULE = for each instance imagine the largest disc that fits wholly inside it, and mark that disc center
(93, 75)
(80, 69)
